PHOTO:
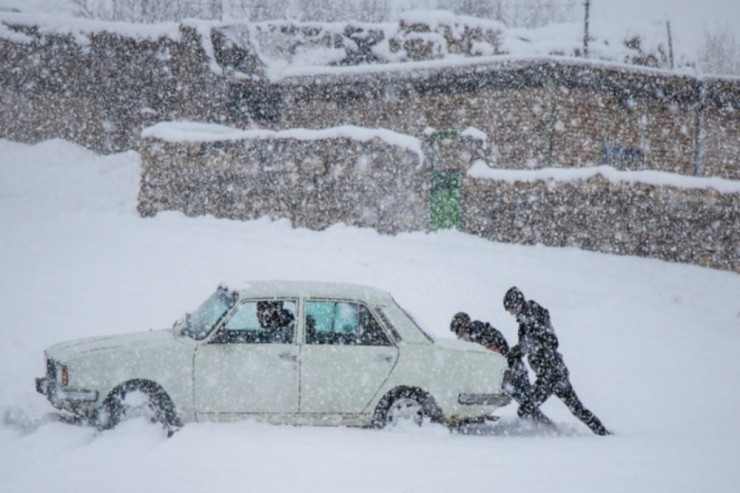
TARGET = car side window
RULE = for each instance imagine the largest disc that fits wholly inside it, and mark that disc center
(342, 323)
(260, 322)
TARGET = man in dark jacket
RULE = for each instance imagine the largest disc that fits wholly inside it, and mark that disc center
(276, 321)
(487, 336)
(538, 342)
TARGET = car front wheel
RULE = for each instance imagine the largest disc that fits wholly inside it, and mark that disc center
(134, 400)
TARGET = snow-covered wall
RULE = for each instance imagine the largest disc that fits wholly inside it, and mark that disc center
(536, 112)
(648, 214)
(100, 83)
(363, 177)
(386, 181)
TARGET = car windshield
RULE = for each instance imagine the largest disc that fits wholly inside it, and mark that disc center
(198, 323)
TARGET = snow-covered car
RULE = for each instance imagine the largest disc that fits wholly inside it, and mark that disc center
(284, 352)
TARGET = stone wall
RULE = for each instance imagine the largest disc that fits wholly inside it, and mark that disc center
(373, 183)
(101, 90)
(536, 113)
(697, 225)
(314, 183)
(718, 145)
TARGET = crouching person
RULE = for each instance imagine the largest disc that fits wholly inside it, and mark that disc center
(487, 336)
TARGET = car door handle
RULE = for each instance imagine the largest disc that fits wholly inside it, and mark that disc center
(288, 357)
(384, 357)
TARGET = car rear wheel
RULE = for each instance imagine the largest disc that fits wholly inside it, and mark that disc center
(404, 410)
(406, 406)
(134, 400)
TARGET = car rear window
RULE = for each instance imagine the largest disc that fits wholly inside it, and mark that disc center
(387, 321)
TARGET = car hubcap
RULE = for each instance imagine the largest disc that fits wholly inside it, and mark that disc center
(137, 404)
(405, 410)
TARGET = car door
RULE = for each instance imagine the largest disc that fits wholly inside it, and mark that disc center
(345, 358)
(247, 367)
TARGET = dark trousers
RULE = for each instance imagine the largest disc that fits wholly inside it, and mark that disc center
(521, 392)
(558, 383)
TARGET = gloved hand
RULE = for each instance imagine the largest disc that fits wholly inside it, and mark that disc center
(515, 354)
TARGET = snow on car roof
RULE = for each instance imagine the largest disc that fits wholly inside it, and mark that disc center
(314, 289)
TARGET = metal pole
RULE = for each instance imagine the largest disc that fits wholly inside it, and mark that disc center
(587, 5)
(699, 130)
(670, 42)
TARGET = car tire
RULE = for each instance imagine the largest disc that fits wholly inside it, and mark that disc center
(138, 399)
(406, 406)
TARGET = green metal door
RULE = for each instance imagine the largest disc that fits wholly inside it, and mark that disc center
(444, 207)
(444, 190)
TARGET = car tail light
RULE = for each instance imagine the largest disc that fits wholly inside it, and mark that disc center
(64, 375)
(506, 383)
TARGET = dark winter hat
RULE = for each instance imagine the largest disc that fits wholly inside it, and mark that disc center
(513, 298)
(268, 307)
(460, 323)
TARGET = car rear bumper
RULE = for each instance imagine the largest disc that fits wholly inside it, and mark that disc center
(497, 400)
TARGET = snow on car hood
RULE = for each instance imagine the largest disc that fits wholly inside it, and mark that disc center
(70, 349)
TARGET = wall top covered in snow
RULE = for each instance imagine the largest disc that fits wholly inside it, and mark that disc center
(658, 178)
(81, 29)
(208, 132)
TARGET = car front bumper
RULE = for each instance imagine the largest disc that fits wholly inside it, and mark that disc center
(64, 398)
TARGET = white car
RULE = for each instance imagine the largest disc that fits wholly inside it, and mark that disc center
(283, 352)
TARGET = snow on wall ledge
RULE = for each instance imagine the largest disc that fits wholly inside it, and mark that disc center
(211, 132)
(661, 178)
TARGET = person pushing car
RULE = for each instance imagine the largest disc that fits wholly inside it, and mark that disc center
(537, 340)
(489, 337)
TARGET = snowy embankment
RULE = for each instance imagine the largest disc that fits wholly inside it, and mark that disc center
(652, 348)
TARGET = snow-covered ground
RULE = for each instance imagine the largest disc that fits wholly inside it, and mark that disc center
(652, 347)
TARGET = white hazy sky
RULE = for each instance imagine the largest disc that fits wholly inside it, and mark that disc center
(688, 17)
(690, 11)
